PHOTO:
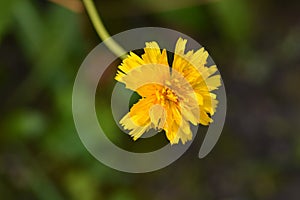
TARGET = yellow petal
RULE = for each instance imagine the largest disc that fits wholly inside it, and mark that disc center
(180, 46)
(148, 89)
(172, 122)
(146, 76)
(178, 128)
(138, 119)
(184, 133)
(208, 71)
(153, 54)
(199, 58)
(157, 115)
(192, 66)
(132, 61)
(139, 131)
(163, 60)
(213, 82)
(136, 130)
(138, 115)
(191, 115)
(204, 118)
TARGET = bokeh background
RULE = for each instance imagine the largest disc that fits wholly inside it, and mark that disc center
(256, 45)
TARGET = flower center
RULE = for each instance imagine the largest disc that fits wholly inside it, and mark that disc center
(166, 94)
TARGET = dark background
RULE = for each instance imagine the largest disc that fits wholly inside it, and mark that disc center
(256, 46)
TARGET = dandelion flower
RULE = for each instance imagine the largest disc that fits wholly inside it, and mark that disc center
(172, 97)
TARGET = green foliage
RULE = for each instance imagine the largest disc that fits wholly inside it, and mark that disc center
(234, 19)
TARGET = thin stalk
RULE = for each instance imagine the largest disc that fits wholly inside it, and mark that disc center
(101, 30)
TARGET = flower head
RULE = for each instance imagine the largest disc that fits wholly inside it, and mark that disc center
(172, 97)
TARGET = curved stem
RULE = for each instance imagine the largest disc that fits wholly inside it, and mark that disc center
(101, 31)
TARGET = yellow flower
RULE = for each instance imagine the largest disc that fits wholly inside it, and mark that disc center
(171, 98)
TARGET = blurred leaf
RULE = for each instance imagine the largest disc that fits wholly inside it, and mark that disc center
(81, 185)
(73, 5)
(168, 5)
(6, 15)
(31, 26)
(50, 51)
(233, 18)
(26, 124)
(63, 143)
(192, 17)
(122, 195)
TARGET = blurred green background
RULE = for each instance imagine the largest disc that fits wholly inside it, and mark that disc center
(256, 45)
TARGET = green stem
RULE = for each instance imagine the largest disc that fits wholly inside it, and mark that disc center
(101, 31)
